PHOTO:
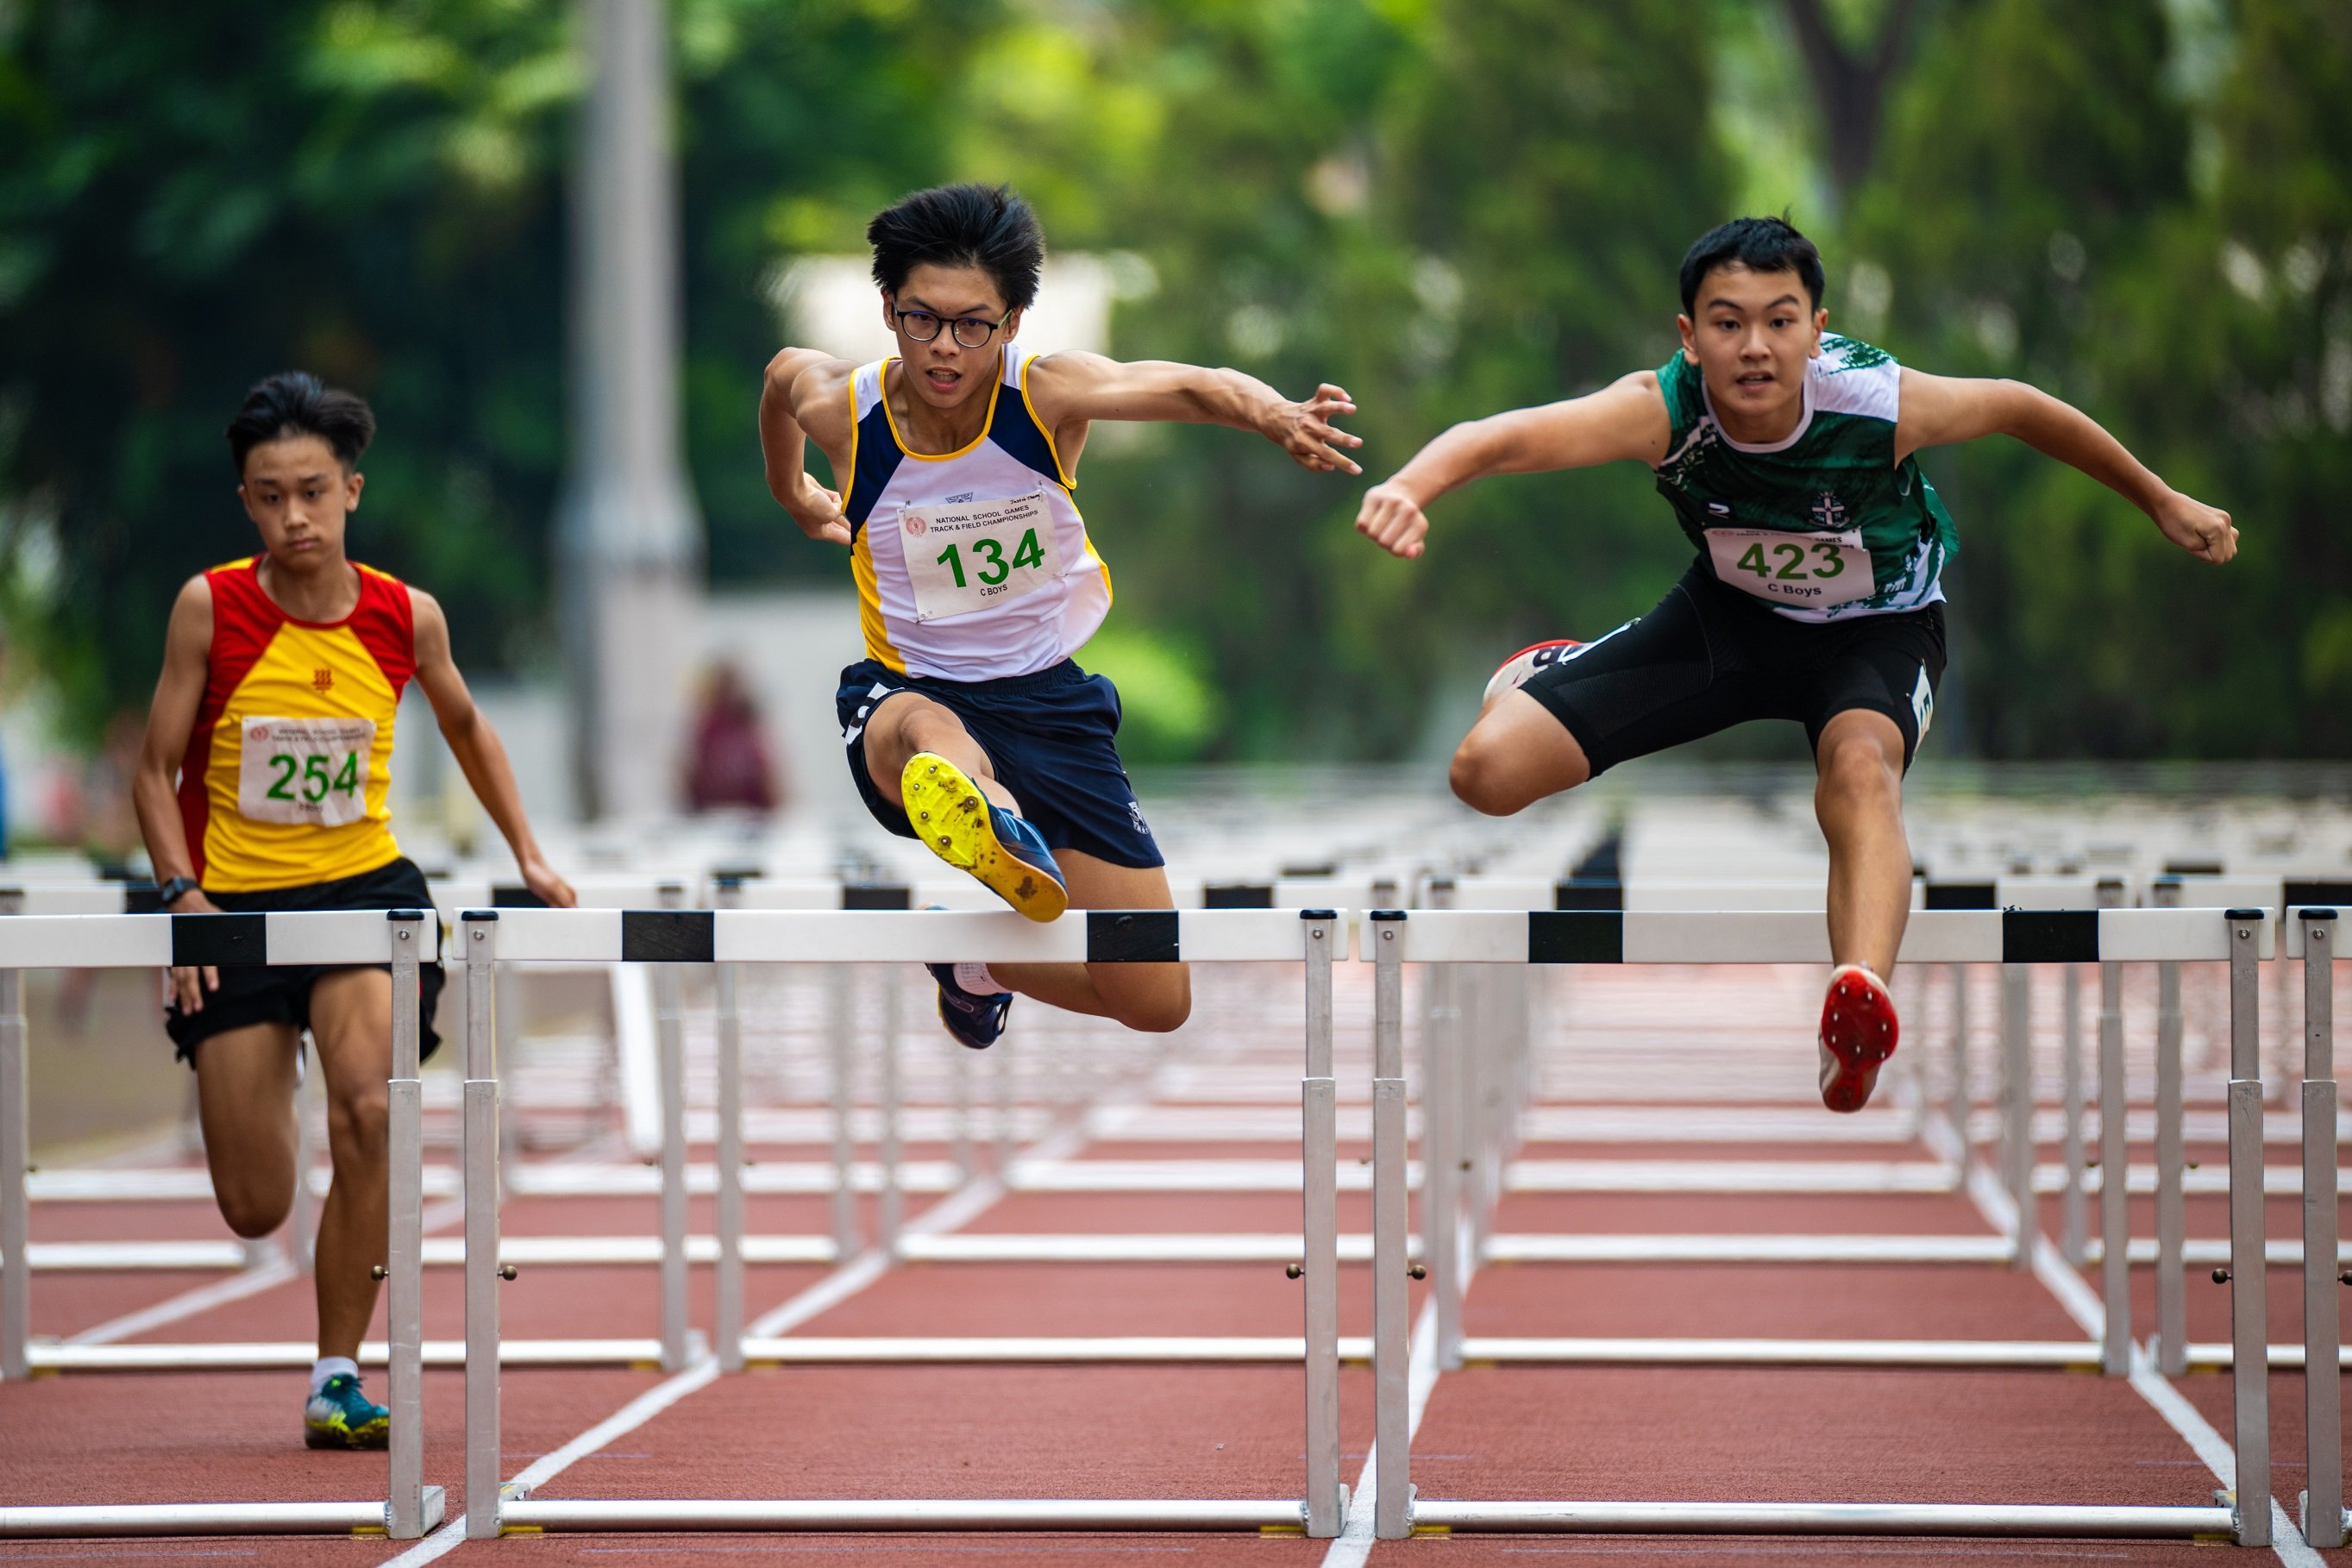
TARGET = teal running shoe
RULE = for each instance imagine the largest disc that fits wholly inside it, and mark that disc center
(340, 1417)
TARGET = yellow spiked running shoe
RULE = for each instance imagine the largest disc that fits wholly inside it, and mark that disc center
(948, 814)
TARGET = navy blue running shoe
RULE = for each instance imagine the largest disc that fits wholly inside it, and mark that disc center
(975, 1021)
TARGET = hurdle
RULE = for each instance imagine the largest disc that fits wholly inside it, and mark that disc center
(730, 937)
(2311, 937)
(2108, 937)
(397, 937)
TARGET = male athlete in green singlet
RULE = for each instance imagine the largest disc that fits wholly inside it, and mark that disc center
(1789, 456)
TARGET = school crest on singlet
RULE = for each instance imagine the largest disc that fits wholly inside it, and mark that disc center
(288, 764)
(972, 564)
(1824, 523)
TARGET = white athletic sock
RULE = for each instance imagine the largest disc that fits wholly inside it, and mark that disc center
(976, 979)
(327, 1366)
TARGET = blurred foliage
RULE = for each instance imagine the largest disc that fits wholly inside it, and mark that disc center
(1448, 206)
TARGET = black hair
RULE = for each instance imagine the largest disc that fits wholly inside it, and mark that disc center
(987, 226)
(1758, 244)
(296, 403)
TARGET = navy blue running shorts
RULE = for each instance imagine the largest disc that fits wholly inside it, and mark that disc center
(1709, 657)
(1049, 736)
(280, 993)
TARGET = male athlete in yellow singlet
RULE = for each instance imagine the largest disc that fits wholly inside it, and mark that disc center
(261, 786)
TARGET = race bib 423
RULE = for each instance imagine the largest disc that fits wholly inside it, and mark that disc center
(308, 772)
(1815, 570)
(979, 554)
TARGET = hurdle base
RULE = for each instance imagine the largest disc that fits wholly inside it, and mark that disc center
(826, 1349)
(18, 1523)
(2057, 1522)
(280, 1355)
(826, 1517)
(2014, 1354)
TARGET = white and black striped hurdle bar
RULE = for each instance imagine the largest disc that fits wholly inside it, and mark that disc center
(727, 938)
(403, 939)
(2241, 937)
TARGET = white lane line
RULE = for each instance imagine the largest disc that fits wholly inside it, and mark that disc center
(2085, 1307)
(1355, 1539)
(236, 1287)
(954, 1210)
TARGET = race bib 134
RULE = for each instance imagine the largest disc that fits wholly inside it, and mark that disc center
(978, 554)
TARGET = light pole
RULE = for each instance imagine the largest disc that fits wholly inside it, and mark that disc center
(630, 539)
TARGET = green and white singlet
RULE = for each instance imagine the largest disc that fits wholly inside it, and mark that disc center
(1822, 524)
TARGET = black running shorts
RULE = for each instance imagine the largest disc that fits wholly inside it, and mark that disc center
(280, 993)
(1709, 657)
(1050, 736)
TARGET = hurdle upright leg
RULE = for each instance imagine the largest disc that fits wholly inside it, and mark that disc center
(1957, 1110)
(847, 1241)
(1391, 1305)
(2323, 1498)
(2115, 1214)
(404, 1266)
(2249, 1295)
(1326, 1500)
(670, 1025)
(2017, 1108)
(2074, 1220)
(1444, 1123)
(484, 1273)
(728, 1318)
(890, 1205)
(15, 1162)
(2171, 1157)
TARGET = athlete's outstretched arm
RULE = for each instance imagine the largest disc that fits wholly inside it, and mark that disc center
(477, 747)
(1943, 410)
(1624, 420)
(154, 795)
(1069, 388)
(805, 393)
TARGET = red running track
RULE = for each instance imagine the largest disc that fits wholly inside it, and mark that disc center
(1487, 1432)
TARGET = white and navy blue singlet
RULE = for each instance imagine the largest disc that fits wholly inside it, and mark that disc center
(972, 564)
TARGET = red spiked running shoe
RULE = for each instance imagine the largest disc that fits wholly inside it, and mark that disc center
(1859, 1031)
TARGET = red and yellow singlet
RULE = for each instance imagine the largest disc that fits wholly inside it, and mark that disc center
(288, 764)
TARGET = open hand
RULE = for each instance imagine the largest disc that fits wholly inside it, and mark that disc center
(818, 512)
(1391, 518)
(2205, 532)
(1305, 431)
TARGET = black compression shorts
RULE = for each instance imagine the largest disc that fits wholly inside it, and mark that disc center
(1709, 657)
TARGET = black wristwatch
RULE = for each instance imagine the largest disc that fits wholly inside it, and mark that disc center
(173, 891)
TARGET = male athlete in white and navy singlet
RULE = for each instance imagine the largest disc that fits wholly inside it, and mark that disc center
(968, 725)
(1789, 456)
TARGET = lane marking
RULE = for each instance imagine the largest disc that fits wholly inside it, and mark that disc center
(1355, 1540)
(236, 1287)
(2087, 1309)
(950, 1212)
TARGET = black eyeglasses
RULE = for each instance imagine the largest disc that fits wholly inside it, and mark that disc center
(971, 332)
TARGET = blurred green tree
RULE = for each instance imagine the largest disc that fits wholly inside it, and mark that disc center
(1449, 207)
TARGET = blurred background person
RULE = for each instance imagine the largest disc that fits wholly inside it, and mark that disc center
(729, 760)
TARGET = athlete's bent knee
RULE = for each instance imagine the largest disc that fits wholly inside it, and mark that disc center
(1481, 778)
(253, 1206)
(1158, 1009)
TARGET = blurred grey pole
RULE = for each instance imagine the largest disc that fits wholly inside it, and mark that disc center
(630, 539)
